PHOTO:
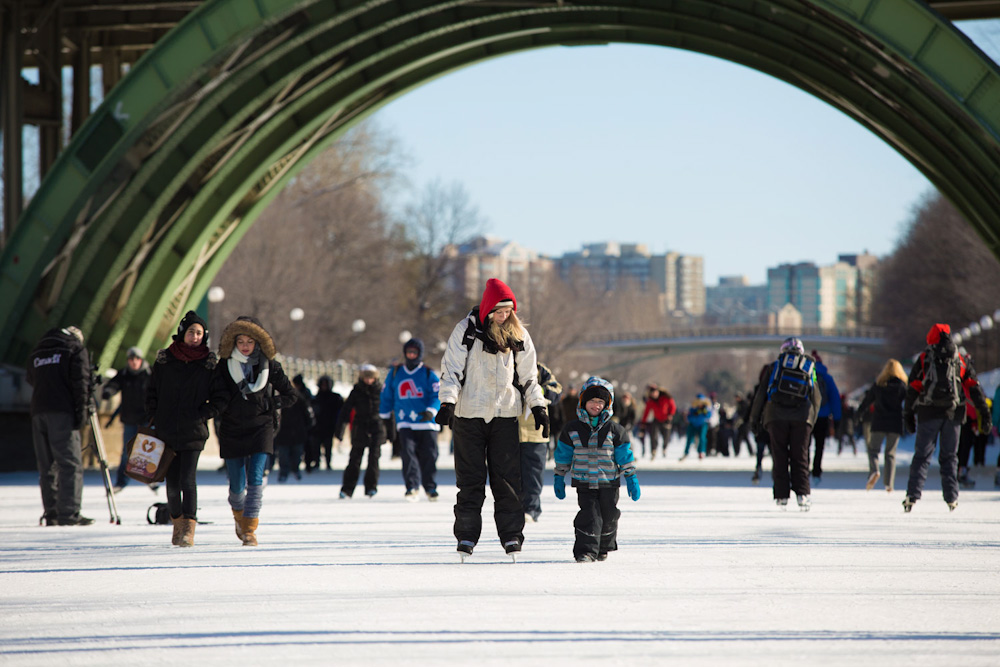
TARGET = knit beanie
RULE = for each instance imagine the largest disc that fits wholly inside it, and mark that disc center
(496, 295)
(934, 335)
(595, 391)
(190, 318)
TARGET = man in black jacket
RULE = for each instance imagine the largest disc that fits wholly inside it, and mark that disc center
(131, 381)
(59, 372)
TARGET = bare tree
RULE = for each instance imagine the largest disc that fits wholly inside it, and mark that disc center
(442, 216)
(940, 272)
(324, 245)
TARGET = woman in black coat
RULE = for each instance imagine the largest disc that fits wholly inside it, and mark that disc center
(179, 400)
(253, 387)
(886, 395)
(367, 431)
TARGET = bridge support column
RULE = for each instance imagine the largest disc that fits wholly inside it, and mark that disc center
(11, 117)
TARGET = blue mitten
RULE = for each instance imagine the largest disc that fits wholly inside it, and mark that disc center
(632, 482)
(559, 484)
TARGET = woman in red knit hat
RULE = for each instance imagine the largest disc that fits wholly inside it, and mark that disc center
(488, 378)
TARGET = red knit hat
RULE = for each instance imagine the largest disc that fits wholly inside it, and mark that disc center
(934, 335)
(496, 294)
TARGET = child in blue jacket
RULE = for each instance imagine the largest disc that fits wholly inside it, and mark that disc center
(598, 452)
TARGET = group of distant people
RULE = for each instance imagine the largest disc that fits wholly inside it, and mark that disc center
(499, 402)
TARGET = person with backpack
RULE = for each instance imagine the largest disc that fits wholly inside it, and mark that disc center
(698, 416)
(410, 397)
(786, 404)
(828, 419)
(489, 375)
(253, 386)
(934, 409)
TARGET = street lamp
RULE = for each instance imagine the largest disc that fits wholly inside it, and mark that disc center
(215, 296)
(296, 315)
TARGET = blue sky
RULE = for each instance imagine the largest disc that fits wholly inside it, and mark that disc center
(565, 146)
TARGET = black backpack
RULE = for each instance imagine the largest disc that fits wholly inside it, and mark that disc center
(792, 376)
(942, 378)
(161, 516)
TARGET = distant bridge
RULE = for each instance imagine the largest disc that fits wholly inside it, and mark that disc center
(851, 341)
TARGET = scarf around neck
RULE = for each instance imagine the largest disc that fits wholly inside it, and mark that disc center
(187, 353)
(241, 370)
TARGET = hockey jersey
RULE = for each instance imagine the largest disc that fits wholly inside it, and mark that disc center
(407, 394)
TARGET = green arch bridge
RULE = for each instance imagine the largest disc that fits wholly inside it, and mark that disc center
(233, 97)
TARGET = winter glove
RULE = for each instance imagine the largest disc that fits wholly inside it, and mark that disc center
(987, 421)
(641, 431)
(559, 484)
(632, 483)
(390, 430)
(426, 416)
(910, 422)
(541, 420)
(445, 414)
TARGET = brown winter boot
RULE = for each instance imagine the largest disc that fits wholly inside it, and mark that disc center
(178, 529)
(249, 526)
(238, 515)
(187, 532)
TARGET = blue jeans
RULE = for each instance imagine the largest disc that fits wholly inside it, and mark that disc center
(129, 431)
(246, 483)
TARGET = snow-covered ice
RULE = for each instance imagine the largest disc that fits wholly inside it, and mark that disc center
(709, 572)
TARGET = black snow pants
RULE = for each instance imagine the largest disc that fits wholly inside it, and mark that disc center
(597, 521)
(488, 450)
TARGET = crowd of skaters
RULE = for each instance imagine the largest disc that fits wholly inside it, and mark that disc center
(508, 416)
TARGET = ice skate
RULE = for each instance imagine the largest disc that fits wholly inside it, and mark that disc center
(952, 506)
(513, 549)
(908, 503)
(585, 558)
(782, 503)
(412, 496)
(805, 502)
(755, 480)
(465, 548)
(996, 480)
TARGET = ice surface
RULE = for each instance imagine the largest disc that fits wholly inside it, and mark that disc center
(708, 572)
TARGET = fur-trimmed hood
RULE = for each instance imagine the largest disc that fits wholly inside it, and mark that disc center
(248, 326)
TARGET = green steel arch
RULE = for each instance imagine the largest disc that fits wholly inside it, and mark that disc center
(154, 192)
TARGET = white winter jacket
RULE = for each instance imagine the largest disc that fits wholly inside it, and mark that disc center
(481, 385)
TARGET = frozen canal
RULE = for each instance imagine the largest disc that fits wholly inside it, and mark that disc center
(709, 572)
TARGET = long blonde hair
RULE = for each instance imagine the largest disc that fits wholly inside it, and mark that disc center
(508, 333)
(892, 369)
